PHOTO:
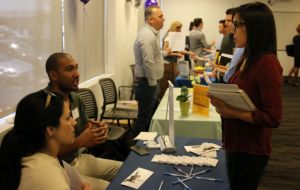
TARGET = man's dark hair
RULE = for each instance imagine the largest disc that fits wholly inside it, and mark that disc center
(230, 11)
(51, 63)
(197, 22)
(222, 22)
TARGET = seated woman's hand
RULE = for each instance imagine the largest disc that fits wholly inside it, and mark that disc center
(86, 186)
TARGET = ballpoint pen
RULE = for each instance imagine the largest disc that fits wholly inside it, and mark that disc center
(201, 172)
(192, 168)
(184, 185)
(161, 183)
(184, 179)
(172, 174)
(181, 171)
(210, 179)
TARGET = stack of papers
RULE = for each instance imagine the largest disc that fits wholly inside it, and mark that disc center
(184, 160)
(205, 149)
(231, 95)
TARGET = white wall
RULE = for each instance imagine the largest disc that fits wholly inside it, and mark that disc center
(121, 29)
(211, 11)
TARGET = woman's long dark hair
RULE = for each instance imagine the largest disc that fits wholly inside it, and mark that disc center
(28, 134)
(261, 31)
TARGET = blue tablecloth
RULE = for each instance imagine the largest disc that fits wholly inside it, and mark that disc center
(185, 81)
(182, 81)
(134, 161)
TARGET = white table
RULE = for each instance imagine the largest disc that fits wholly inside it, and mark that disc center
(201, 122)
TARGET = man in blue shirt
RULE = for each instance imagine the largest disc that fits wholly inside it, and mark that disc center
(233, 64)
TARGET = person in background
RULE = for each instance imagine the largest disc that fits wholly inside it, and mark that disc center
(198, 43)
(227, 47)
(295, 69)
(175, 27)
(149, 67)
(64, 80)
(238, 52)
(222, 32)
(28, 154)
(246, 135)
(188, 45)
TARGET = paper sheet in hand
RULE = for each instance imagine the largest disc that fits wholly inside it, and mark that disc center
(231, 95)
(137, 178)
(74, 177)
(176, 41)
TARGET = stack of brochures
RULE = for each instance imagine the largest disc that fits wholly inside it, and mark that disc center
(231, 95)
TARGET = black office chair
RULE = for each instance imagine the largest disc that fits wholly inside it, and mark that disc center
(110, 100)
(89, 102)
(115, 133)
(128, 92)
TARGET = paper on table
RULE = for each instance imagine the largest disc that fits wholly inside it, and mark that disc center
(146, 136)
(127, 105)
(184, 160)
(74, 177)
(137, 178)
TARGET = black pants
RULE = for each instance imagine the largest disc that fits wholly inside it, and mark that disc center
(147, 97)
(245, 170)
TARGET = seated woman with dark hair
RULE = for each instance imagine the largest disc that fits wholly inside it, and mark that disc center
(28, 154)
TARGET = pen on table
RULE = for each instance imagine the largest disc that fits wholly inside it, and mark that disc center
(178, 169)
(184, 179)
(210, 179)
(161, 183)
(172, 174)
(184, 185)
(201, 172)
(192, 168)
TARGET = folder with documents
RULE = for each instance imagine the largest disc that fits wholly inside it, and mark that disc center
(231, 95)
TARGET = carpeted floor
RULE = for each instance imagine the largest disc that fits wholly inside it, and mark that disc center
(283, 170)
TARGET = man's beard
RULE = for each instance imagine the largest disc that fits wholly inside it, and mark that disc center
(67, 88)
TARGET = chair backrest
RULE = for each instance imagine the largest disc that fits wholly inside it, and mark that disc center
(109, 91)
(89, 102)
(134, 79)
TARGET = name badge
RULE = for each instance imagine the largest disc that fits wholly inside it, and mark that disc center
(75, 113)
